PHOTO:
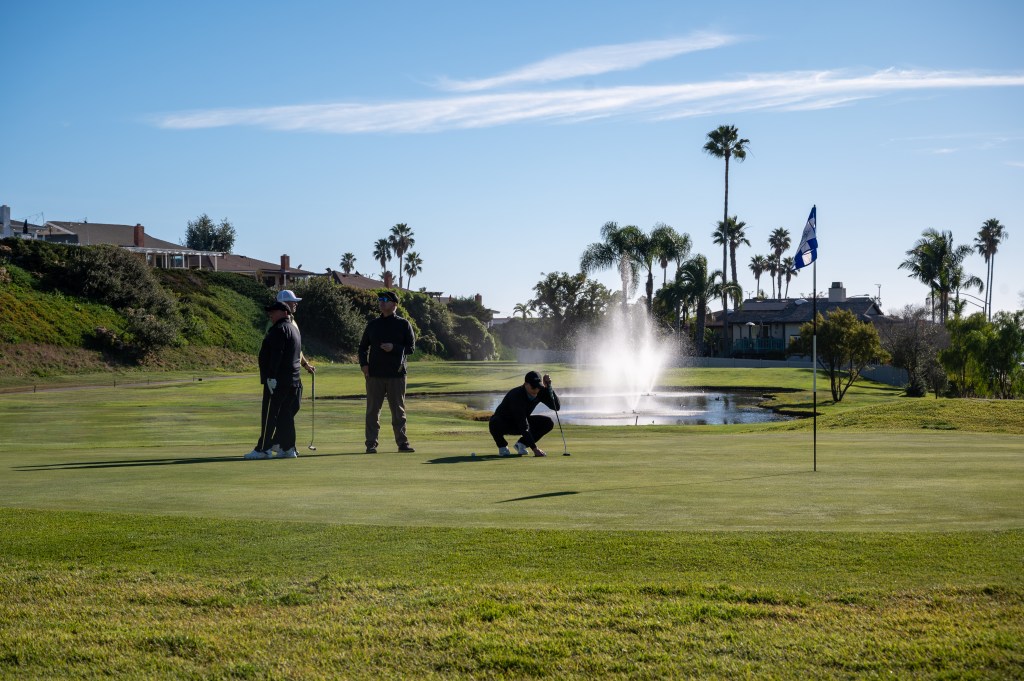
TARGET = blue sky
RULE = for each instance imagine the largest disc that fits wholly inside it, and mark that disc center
(507, 134)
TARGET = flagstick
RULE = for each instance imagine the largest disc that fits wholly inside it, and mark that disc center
(814, 355)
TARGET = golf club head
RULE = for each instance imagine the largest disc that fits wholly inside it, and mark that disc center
(566, 454)
(312, 448)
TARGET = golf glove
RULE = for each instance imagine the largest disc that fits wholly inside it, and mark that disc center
(271, 384)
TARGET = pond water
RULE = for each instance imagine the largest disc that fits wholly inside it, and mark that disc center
(664, 407)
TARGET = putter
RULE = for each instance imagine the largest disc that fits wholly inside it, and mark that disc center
(565, 449)
(312, 427)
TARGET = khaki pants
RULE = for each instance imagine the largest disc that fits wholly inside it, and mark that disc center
(376, 390)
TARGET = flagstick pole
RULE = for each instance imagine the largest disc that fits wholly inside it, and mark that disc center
(814, 355)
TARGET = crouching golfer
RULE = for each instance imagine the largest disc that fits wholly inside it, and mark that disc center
(514, 416)
(279, 374)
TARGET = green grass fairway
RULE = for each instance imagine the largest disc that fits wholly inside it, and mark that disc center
(138, 544)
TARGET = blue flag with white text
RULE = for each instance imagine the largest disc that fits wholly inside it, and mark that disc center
(808, 250)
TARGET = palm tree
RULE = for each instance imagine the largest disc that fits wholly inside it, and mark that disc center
(616, 250)
(731, 234)
(725, 142)
(348, 263)
(644, 251)
(400, 241)
(524, 309)
(773, 267)
(413, 266)
(987, 243)
(787, 265)
(779, 242)
(382, 254)
(670, 246)
(758, 266)
(699, 287)
(938, 263)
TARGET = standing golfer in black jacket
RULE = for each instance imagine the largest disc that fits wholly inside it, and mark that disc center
(514, 416)
(279, 374)
(386, 343)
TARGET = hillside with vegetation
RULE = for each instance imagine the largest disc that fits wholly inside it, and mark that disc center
(76, 309)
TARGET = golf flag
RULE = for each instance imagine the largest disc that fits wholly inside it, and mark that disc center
(808, 250)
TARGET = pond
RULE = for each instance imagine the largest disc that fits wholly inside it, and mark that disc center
(664, 407)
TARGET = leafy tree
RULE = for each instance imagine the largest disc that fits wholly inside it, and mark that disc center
(348, 263)
(845, 347)
(413, 266)
(615, 250)
(470, 307)
(477, 343)
(401, 240)
(962, 358)
(570, 302)
(725, 142)
(913, 342)
(733, 235)
(203, 235)
(987, 243)
(1003, 356)
(330, 322)
(779, 241)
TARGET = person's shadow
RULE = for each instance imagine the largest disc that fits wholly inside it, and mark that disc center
(177, 461)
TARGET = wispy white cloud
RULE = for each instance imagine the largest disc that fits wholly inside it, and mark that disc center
(777, 91)
(1015, 164)
(593, 61)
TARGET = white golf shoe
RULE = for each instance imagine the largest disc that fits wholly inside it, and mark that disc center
(257, 454)
(286, 454)
(503, 452)
(522, 449)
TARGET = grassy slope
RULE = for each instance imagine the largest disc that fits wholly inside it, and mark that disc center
(136, 543)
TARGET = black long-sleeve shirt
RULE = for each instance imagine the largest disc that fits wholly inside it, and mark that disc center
(516, 407)
(280, 352)
(391, 329)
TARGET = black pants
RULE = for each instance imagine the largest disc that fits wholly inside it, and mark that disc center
(539, 427)
(277, 417)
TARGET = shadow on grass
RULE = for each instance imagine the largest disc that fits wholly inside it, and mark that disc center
(474, 459)
(132, 463)
(536, 496)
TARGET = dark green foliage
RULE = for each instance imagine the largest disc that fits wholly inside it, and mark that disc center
(328, 319)
(845, 347)
(202, 234)
(522, 333)
(478, 343)
(471, 307)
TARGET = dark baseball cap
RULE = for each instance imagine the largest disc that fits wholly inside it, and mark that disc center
(277, 306)
(390, 295)
(533, 378)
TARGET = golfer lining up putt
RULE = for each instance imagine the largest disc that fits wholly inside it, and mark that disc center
(514, 416)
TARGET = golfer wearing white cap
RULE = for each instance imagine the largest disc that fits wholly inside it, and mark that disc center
(288, 297)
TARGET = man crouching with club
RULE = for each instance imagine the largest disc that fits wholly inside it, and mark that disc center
(514, 416)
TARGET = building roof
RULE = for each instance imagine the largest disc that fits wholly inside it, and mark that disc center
(96, 233)
(356, 280)
(797, 311)
(230, 262)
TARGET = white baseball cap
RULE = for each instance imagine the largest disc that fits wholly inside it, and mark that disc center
(287, 296)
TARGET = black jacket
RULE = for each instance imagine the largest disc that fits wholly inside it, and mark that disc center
(279, 354)
(391, 329)
(517, 406)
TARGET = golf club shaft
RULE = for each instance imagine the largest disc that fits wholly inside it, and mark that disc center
(565, 447)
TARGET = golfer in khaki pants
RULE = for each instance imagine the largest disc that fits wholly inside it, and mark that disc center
(386, 343)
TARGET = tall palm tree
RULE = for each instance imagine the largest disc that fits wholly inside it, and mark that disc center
(758, 266)
(699, 287)
(936, 261)
(773, 267)
(382, 254)
(670, 246)
(401, 240)
(779, 242)
(616, 250)
(787, 265)
(990, 236)
(644, 251)
(732, 234)
(348, 263)
(524, 309)
(725, 142)
(960, 280)
(413, 266)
